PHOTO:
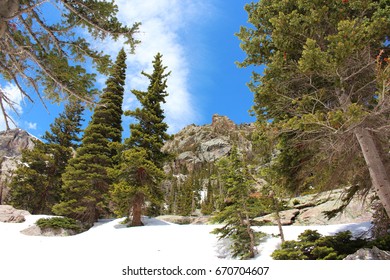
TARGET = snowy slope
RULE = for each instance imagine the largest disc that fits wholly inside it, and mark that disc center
(109, 247)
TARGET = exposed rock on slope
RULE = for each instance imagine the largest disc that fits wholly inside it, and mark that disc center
(12, 143)
(309, 210)
(9, 214)
(35, 230)
(369, 254)
(192, 173)
(195, 145)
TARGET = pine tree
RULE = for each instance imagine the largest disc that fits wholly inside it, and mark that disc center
(138, 180)
(139, 177)
(86, 180)
(185, 197)
(150, 131)
(37, 184)
(66, 129)
(239, 207)
(208, 203)
(43, 50)
(325, 87)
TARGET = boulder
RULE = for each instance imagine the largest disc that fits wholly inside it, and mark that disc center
(369, 254)
(9, 214)
(287, 217)
(184, 220)
(35, 230)
(355, 212)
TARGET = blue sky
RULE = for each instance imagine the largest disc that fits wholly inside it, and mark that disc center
(196, 38)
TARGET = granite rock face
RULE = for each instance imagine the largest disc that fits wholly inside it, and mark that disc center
(196, 145)
(9, 214)
(287, 217)
(35, 230)
(369, 254)
(12, 143)
(309, 210)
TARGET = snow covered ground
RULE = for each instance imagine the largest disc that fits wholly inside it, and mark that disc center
(109, 249)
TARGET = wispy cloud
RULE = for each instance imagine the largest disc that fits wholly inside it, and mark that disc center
(32, 126)
(16, 98)
(163, 24)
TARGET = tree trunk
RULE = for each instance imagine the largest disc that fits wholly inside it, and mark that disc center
(277, 215)
(376, 166)
(252, 238)
(280, 227)
(8, 8)
(138, 203)
(1, 193)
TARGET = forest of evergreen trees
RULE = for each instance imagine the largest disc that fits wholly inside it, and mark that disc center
(322, 107)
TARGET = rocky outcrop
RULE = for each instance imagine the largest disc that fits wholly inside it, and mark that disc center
(287, 217)
(12, 143)
(9, 214)
(184, 220)
(195, 145)
(369, 254)
(35, 230)
(309, 210)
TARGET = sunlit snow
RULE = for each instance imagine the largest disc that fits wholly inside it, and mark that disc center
(109, 246)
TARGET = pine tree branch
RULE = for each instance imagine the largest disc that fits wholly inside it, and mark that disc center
(51, 34)
(32, 34)
(36, 60)
(87, 20)
(5, 114)
(14, 78)
(30, 80)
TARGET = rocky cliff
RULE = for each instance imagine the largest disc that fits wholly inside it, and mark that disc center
(196, 145)
(192, 172)
(12, 143)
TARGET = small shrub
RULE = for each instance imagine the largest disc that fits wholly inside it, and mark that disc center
(382, 243)
(59, 222)
(296, 202)
(311, 245)
(309, 236)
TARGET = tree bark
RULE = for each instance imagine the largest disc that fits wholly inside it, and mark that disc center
(251, 236)
(277, 215)
(8, 8)
(138, 203)
(1, 193)
(280, 227)
(376, 166)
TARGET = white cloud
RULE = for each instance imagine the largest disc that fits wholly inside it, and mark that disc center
(163, 23)
(31, 125)
(13, 93)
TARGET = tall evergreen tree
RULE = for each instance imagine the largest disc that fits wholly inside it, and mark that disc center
(150, 130)
(86, 181)
(186, 197)
(326, 85)
(239, 207)
(66, 129)
(37, 183)
(139, 176)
